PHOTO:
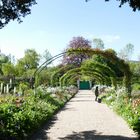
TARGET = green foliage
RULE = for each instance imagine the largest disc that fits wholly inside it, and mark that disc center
(124, 67)
(20, 67)
(73, 80)
(23, 87)
(28, 62)
(104, 60)
(134, 4)
(55, 77)
(45, 77)
(58, 73)
(8, 69)
(31, 59)
(46, 56)
(14, 9)
(108, 96)
(66, 77)
(123, 105)
(3, 60)
(98, 43)
(136, 86)
(126, 52)
(21, 115)
(135, 69)
(28, 73)
(104, 70)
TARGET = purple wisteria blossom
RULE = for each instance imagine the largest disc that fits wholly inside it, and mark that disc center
(74, 58)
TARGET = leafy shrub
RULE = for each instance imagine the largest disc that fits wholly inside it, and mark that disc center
(136, 86)
(21, 115)
(23, 87)
(120, 101)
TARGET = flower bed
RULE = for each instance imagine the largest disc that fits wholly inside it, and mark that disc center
(21, 115)
(127, 107)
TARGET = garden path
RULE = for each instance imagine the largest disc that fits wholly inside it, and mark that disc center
(83, 118)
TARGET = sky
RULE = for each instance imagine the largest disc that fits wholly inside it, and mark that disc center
(53, 23)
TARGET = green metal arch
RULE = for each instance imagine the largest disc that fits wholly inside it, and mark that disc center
(113, 58)
(80, 71)
(67, 74)
(98, 76)
(90, 66)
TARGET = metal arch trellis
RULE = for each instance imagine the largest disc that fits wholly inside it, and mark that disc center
(127, 74)
(44, 65)
(41, 67)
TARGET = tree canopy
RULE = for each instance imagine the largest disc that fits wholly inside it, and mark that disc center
(74, 58)
(134, 4)
(126, 52)
(30, 61)
(14, 9)
(98, 43)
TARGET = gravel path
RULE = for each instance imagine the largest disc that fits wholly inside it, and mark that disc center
(84, 119)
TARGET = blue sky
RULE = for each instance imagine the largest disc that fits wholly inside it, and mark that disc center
(53, 23)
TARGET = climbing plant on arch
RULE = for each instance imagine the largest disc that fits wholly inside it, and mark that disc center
(96, 70)
(73, 79)
(59, 73)
(76, 74)
(101, 69)
(105, 53)
(97, 75)
(113, 58)
(73, 72)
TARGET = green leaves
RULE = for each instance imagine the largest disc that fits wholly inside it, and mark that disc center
(14, 10)
(18, 122)
(124, 106)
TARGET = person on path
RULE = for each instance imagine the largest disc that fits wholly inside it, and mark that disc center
(96, 93)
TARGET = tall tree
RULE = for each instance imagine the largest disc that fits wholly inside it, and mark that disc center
(76, 43)
(14, 9)
(46, 56)
(31, 59)
(8, 69)
(28, 62)
(134, 4)
(3, 59)
(20, 67)
(98, 43)
(126, 52)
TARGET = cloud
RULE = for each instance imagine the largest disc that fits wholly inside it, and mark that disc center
(107, 39)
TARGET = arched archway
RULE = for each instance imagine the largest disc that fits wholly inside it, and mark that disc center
(113, 58)
(107, 54)
(92, 71)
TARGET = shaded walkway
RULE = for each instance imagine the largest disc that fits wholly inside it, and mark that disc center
(84, 119)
